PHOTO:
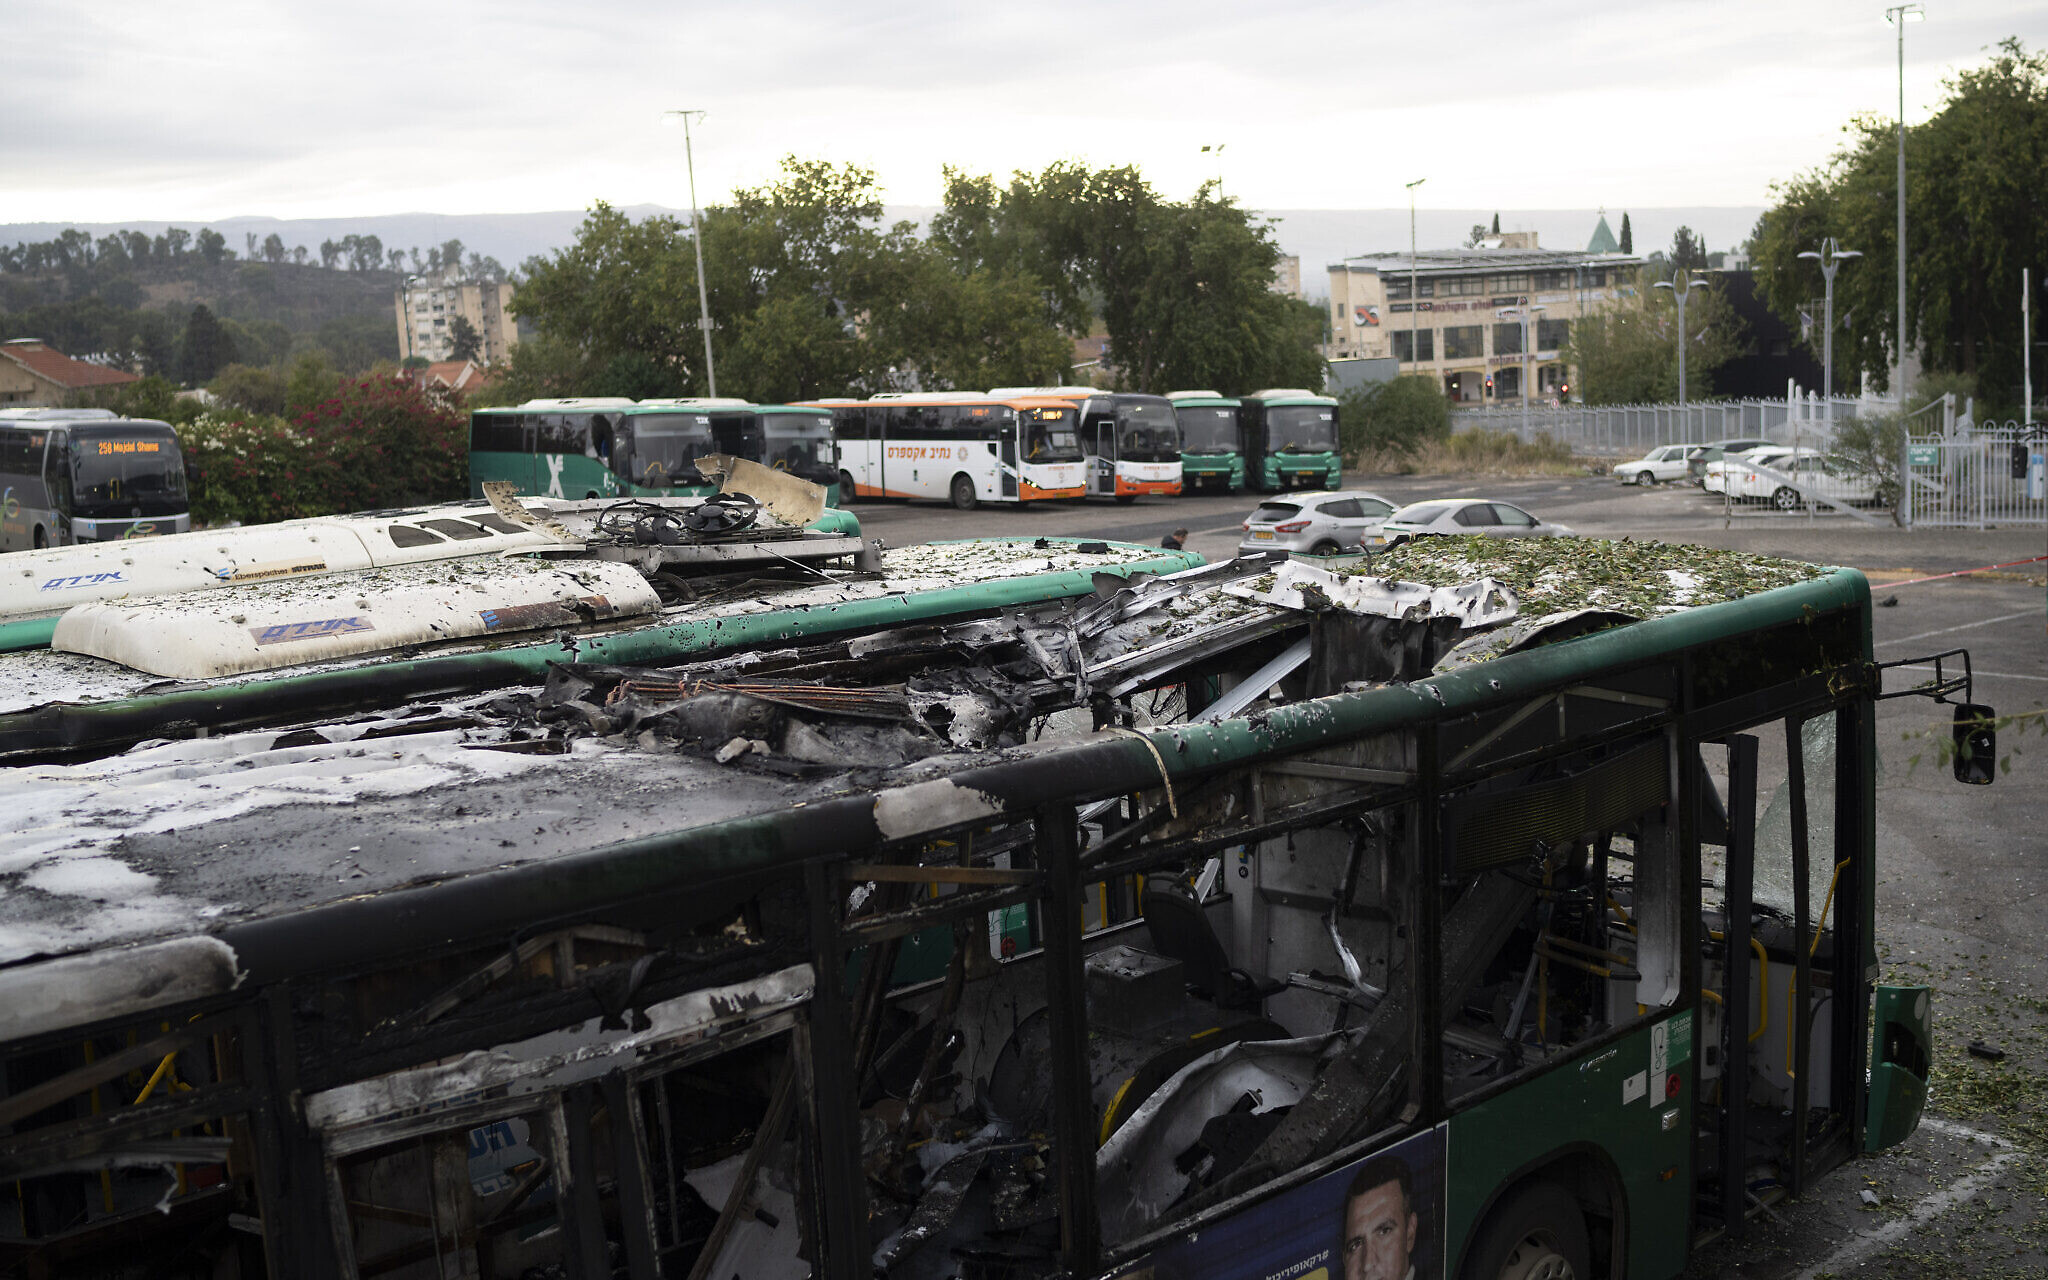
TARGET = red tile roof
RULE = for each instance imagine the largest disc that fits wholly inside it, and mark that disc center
(53, 365)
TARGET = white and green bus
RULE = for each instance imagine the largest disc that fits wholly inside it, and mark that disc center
(607, 446)
(1291, 441)
(87, 475)
(1211, 440)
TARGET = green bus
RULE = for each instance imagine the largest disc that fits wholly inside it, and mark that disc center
(1292, 441)
(1211, 441)
(603, 446)
(1389, 934)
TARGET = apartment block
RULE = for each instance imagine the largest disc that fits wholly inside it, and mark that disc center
(427, 307)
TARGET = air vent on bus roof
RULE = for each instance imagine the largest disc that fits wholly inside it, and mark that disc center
(1276, 393)
(1009, 393)
(701, 402)
(580, 402)
(1192, 395)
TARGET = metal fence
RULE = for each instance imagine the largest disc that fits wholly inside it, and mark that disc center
(1630, 430)
(1965, 479)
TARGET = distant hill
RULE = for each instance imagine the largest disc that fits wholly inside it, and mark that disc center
(1318, 237)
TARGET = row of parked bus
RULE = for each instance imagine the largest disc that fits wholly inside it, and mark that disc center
(1012, 444)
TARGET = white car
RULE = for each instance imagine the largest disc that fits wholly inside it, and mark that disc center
(1465, 516)
(1716, 478)
(1658, 466)
(1810, 472)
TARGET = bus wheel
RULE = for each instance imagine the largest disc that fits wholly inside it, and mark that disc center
(1535, 1233)
(1127, 498)
(42, 539)
(963, 493)
(846, 493)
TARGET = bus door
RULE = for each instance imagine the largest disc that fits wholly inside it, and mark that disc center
(739, 434)
(501, 447)
(1098, 429)
(57, 482)
(877, 475)
(1007, 475)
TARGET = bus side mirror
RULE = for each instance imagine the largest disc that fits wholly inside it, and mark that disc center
(1976, 742)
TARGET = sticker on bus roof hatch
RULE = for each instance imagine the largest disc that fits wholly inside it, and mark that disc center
(286, 632)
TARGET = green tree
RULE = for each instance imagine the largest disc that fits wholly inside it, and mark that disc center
(207, 346)
(468, 343)
(1975, 216)
(251, 389)
(273, 248)
(1393, 418)
(312, 381)
(1496, 223)
(1688, 251)
(620, 287)
(1628, 354)
(1628, 237)
(213, 246)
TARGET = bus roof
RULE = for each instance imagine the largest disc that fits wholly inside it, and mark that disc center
(1290, 395)
(1202, 399)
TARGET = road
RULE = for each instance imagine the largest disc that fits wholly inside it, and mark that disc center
(1962, 872)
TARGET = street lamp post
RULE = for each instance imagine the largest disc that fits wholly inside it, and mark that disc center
(1414, 299)
(1679, 295)
(1830, 258)
(697, 236)
(1524, 313)
(1898, 17)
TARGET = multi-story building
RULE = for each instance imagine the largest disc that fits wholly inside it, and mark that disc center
(1287, 275)
(427, 308)
(1463, 320)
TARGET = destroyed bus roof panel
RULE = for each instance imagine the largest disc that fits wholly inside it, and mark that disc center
(281, 881)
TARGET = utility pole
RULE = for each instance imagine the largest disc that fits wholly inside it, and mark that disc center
(697, 237)
(1830, 257)
(1524, 313)
(1899, 16)
(1414, 298)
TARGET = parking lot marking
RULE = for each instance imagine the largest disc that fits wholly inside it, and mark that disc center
(1965, 626)
(1858, 1248)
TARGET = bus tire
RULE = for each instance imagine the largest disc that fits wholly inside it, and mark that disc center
(1127, 498)
(1786, 498)
(963, 493)
(1536, 1232)
(846, 493)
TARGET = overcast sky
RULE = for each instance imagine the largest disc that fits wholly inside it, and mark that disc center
(209, 109)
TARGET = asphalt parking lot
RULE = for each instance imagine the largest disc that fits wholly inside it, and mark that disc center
(1963, 870)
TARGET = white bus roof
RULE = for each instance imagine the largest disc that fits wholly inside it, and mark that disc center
(580, 402)
(1011, 393)
(1288, 393)
(697, 402)
(1196, 395)
(57, 415)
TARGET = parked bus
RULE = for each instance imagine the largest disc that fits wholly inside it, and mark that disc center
(86, 475)
(601, 446)
(1292, 441)
(1377, 935)
(1211, 440)
(1131, 441)
(963, 447)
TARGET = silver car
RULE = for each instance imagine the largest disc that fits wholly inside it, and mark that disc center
(1466, 515)
(1321, 524)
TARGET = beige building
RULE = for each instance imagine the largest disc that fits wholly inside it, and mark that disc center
(35, 374)
(1287, 276)
(427, 307)
(1464, 324)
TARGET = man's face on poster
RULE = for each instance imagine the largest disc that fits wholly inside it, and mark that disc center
(1379, 1234)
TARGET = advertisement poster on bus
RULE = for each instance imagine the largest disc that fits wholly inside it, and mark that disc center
(1377, 1218)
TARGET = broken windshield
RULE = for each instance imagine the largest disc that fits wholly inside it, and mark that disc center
(661, 450)
(1302, 429)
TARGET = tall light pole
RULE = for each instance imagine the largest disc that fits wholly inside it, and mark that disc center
(697, 236)
(1830, 258)
(1525, 313)
(1217, 151)
(1899, 16)
(1679, 295)
(1414, 298)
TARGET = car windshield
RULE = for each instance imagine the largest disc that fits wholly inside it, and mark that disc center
(661, 449)
(1147, 433)
(1208, 429)
(1301, 429)
(1049, 435)
(801, 444)
(119, 472)
(1420, 513)
(1274, 512)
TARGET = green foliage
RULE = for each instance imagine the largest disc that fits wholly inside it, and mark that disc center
(1872, 447)
(1688, 251)
(1974, 218)
(206, 348)
(151, 397)
(1628, 354)
(1628, 237)
(374, 443)
(311, 381)
(251, 389)
(1393, 418)
(468, 343)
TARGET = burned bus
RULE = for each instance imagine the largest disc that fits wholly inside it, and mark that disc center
(1434, 910)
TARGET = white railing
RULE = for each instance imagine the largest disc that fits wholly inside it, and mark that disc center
(1630, 430)
(1965, 479)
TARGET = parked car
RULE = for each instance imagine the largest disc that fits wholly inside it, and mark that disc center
(1466, 515)
(1696, 461)
(1318, 523)
(1717, 472)
(1656, 466)
(1810, 471)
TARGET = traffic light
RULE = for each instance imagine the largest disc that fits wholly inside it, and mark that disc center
(2019, 462)
(1489, 384)
(1564, 392)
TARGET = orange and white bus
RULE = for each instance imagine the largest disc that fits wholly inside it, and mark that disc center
(960, 446)
(1132, 441)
